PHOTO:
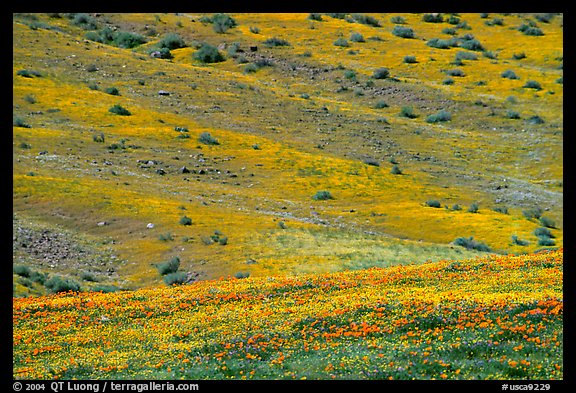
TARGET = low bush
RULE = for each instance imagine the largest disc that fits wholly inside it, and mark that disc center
(165, 237)
(357, 37)
(408, 112)
(112, 91)
(543, 232)
(531, 84)
(28, 73)
(439, 43)
(396, 170)
(398, 20)
(410, 59)
(439, 117)
(22, 271)
(509, 74)
(454, 72)
(341, 42)
(208, 54)
(315, 16)
(222, 22)
(547, 222)
(433, 18)
(207, 139)
(501, 209)
(433, 203)
(471, 244)
(19, 122)
(366, 20)
(168, 267)
(119, 110)
(60, 284)
(185, 221)
(381, 104)
(381, 73)
(128, 40)
(473, 208)
(240, 275)
(512, 114)
(518, 241)
(275, 41)
(403, 32)
(177, 278)
(535, 212)
(322, 196)
(172, 41)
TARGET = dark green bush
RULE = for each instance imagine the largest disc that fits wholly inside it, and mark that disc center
(357, 37)
(165, 237)
(533, 120)
(396, 170)
(519, 56)
(207, 139)
(28, 73)
(275, 41)
(519, 242)
(172, 41)
(112, 91)
(433, 18)
(463, 55)
(403, 32)
(240, 275)
(449, 31)
(439, 43)
(544, 241)
(88, 276)
(341, 42)
(60, 284)
(105, 288)
(512, 114)
(454, 72)
(543, 232)
(222, 22)
(315, 16)
(168, 267)
(410, 59)
(22, 271)
(118, 110)
(408, 112)
(473, 208)
(366, 20)
(128, 40)
(547, 222)
(438, 117)
(448, 81)
(177, 278)
(456, 207)
(530, 30)
(501, 209)
(185, 221)
(433, 203)
(85, 21)
(254, 30)
(250, 68)
(509, 74)
(208, 54)
(535, 212)
(322, 196)
(472, 44)
(471, 244)
(19, 122)
(381, 104)
(381, 73)
(531, 84)
(398, 20)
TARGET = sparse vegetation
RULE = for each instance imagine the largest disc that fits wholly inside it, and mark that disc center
(208, 54)
(322, 196)
(170, 266)
(439, 117)
(471, 244)
(381, 73)
(207, 139)
(403, 32)
(119, 110)
(408, 112)
(171, 41)
(275, 41)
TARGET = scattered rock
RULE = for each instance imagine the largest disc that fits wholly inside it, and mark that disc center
(184, 170)
(102, 223)
(163, 93)
(150, 225)
(161, 172)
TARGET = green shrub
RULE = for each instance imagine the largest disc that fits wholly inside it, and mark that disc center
(543, 232)
(433, 18)
(547, 222)
(381, 73)
(240, 275)
(223, 240)
(531, 84)
(350, 74)
(118, 110)
(449, 31)
(512, 114)
(455, 72)
(371, 161)
(322, 196)
(408, 112)
(453, 20)
(448, 81)
(85, 21)
(250, 68)
(501, 209)
(341, 42)
(22, 271)
(396, 170)
(519, 56)
(509, 74)
(473, 208)
(25, 145)
(336, 15)
(544, 18)
(519, 242)
(172, 41)
(38, 277)
(381, 104)
(315, 16)
(533, 120)
(438, 117)
(112, 91)
(535, 212)
(439, 43)
(254, 30)
(165, 237)
(530, 30)
(398, 20)
(544, 241)
(463, 55)
(19, 122)
(207, 139)
(456, 207)
(208, 54)
(177, 278)
(105, 288)
(168, 267)
(471, 244)
(433, 203)
(366, 20)
(275, 41)
(472, 44)
(222, 22)
(128, 40)
(403, 32)
(410, 59)
(357, 37)
(88, 276)
(28, 73)
(185, 221)
(60, 284)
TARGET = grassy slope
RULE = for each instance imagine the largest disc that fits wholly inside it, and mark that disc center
(495, 317)
(376, 218)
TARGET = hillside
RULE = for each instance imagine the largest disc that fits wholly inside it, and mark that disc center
(494, 317)
(456, 132)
